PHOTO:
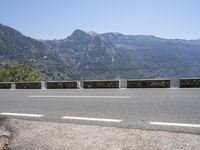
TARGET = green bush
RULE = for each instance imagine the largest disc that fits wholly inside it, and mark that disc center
(18, 73)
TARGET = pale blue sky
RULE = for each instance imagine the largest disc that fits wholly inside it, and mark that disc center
(50, 19)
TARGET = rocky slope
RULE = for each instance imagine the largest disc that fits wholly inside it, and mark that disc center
(88, 55)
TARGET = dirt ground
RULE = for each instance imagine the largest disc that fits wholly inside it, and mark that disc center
(4, 136)
(3, 142)
(33, 135)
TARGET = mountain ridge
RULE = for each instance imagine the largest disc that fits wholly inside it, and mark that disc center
(89, 55)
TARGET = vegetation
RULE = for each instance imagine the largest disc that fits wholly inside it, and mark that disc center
(17, 73)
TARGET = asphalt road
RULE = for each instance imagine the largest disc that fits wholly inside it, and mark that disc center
(152, 109)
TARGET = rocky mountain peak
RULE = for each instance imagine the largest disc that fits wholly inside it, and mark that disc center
(79, 34)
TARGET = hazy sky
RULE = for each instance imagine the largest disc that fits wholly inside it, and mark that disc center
(50, 19)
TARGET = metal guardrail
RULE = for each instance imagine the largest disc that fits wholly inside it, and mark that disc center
(101, 84)
(189, 83)
(63, 85)
(148, 83)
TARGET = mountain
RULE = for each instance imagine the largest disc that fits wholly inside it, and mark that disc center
(82, 50)
(17, 48)
(88, 55)
(92, 55)
(162, 57)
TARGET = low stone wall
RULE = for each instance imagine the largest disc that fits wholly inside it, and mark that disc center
(190, 83)
(149, 83)
(28, 85)
(5, 85)
(101, 84)
(138, 83)
(63, 85)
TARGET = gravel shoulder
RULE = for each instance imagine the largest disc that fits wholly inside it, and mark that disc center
(4, 136)
(31, 135)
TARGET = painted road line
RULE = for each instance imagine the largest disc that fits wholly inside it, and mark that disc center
(175, 124)
(174, 88)
(62, 96)
(91, 119)
(22, 115)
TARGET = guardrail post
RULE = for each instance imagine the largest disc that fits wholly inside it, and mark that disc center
(13, 85)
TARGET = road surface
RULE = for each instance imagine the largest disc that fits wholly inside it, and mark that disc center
(171, 109)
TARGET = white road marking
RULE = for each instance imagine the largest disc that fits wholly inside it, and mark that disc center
(91, 119)
(19, 114)
(63, 96)
(174, 88)
(175, 124)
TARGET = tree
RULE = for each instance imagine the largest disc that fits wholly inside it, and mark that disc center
(19, 72)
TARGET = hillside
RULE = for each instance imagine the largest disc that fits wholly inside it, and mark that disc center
(17, 48)
(88, 55)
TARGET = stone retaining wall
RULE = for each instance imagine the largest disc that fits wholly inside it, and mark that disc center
(190, 83)
(63, 85)
(149, 83)
(5, 85)
(101, 84)
(28, 85)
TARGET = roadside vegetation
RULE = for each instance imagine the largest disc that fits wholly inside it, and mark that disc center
(18, 73)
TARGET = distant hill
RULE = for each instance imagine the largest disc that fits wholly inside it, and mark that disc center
(88, 55)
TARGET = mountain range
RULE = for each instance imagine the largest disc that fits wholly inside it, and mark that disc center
(88, 55)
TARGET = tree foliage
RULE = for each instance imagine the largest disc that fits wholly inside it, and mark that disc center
(17, 73)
